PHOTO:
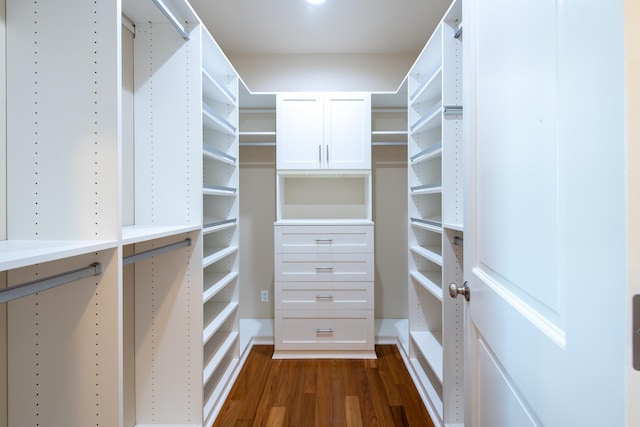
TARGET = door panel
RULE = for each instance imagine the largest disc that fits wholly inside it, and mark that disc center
(544, 213)
(493, 379)
(517, 176)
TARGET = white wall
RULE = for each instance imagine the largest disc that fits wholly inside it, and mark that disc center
(281, 73)
(390, 216)
(257, 215)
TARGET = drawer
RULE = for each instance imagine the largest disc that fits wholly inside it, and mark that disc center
(323, 238)
(315, 330)
(324, 267)
(329, 296)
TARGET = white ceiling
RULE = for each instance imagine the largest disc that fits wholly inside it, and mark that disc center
(246, 27)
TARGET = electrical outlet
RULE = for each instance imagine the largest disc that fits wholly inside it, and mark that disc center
(264, 295)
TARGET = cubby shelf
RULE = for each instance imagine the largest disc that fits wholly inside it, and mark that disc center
(429, 343)
(219, 155)
(431, 281)
(214, 254)
(216, 359)
(434, 149)
(432, 253)
(215, 282)
(215, 314)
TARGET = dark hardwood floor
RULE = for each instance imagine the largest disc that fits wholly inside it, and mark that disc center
(323, 392)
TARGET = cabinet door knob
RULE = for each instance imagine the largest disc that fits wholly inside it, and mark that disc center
(324, 269)
(326, 297)
(324, 331)
(454, 291)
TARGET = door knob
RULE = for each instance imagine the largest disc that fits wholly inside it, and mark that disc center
(454, 290)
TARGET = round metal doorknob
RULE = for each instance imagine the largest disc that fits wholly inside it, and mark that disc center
(454, 291)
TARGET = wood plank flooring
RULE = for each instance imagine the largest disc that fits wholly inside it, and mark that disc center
(323, 393)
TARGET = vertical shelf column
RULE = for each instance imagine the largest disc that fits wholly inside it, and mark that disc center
(436, 219)
(221, 199)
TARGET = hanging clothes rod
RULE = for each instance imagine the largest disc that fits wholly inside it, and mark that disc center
(157, 251)
(172, 18)
(39, 285)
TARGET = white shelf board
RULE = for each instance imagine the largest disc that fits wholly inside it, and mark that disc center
(430, 253)
(213, 120)
(426, 225)
(430, 88)
(453, 226)
(433, 400)
(214, 89)
(220, 191)
(218, 155)
(213, 364)
(214, 401)
(429, 121)
(214, 254)
(431, 281)
(143, 233)
(215, 314)
(428, 154)
(218, 224)
(429, 343)
(22, 253)
(215, 282)
(426, 190)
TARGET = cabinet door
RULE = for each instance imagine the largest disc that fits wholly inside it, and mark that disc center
(300, 132)
(347, 130)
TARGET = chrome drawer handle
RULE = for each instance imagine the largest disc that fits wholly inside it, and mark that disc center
(324, 269)
(325, 241)
(320, 297)
(324, 331)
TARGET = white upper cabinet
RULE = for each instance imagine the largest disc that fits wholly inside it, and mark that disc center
(323, 130)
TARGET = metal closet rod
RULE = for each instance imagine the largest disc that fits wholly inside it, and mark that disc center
(157, 251)
(172, 18)
(39, 285)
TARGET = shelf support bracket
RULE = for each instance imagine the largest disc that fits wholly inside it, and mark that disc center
(452, 110)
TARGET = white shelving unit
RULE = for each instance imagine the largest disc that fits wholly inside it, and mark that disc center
(220, 336)
(121, 156)
(435, 219)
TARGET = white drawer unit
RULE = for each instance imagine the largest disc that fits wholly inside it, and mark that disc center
(329, 296)
(321, 331)
(323, 239)
(324, 290)
(324, 267)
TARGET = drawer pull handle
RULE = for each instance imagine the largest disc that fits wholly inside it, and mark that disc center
(321, 297)
(321, 331)
(324, 269)
(325, 241)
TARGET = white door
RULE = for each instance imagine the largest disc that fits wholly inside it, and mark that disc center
(547, 323)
